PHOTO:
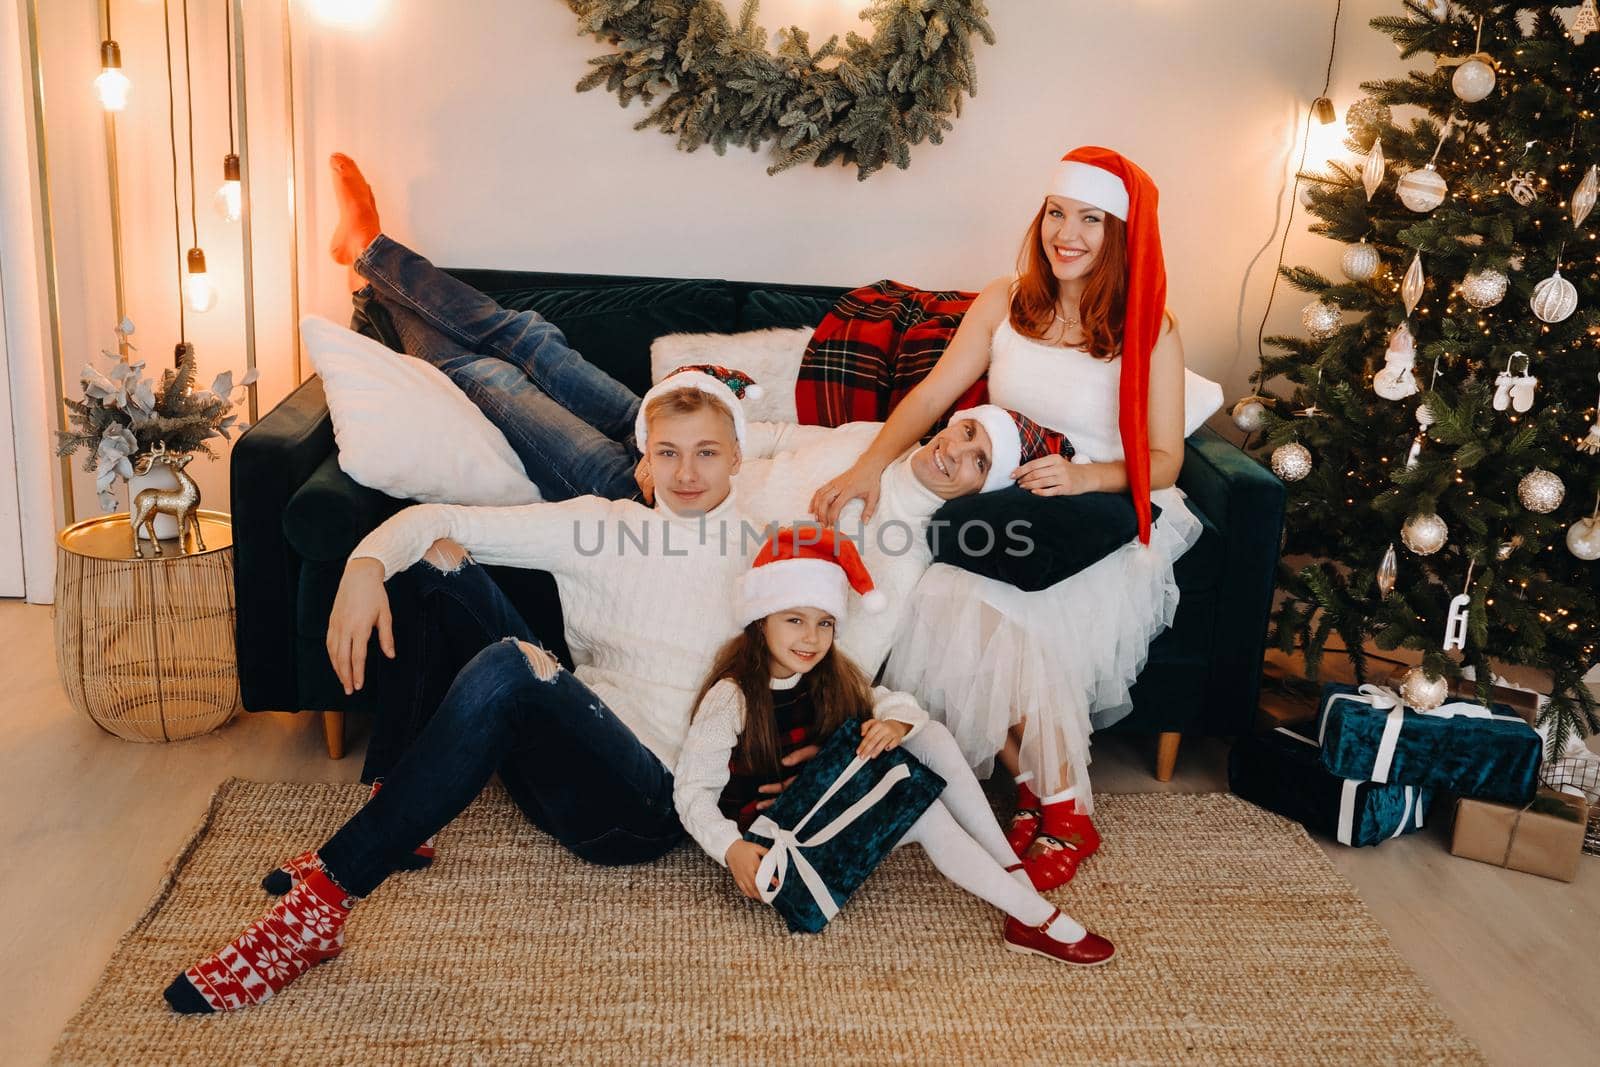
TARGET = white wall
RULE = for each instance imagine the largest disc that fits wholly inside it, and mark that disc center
(464, 117)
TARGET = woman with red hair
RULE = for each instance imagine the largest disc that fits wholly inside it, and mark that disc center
(1079, 341)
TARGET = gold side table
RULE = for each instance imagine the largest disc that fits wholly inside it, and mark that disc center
(145, 646)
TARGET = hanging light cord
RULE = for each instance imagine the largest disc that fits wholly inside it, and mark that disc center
(109, 35)
(227, 50)
(188, 94)
(172, 139)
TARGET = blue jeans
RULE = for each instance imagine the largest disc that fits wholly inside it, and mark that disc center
(572, 767)
(570, 422)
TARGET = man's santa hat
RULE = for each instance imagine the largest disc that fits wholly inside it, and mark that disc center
(1117, 186)
(805, 566)
(727, 387)
(1015, 438)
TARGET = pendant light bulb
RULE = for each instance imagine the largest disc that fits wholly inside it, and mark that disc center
(112, 84)
(198, 292)
(229, 200)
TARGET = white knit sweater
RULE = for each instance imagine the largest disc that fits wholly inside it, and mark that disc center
(791, 463)
(703, 770)
(644, 623)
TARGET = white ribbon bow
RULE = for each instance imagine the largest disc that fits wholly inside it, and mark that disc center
(787, 847)
(1382, 698)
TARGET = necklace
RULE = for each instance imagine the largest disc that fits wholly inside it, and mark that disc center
(1071, 324)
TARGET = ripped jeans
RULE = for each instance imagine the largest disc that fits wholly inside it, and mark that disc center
(568, 762)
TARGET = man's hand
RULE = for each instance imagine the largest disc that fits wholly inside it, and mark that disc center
(360, 606)
(793, 759)
(645, 480)
(1051, 476)
(743, 858)
(880, 735)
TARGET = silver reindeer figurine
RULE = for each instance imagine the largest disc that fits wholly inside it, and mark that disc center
(182, 503)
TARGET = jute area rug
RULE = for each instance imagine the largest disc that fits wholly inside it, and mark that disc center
(1238, 943)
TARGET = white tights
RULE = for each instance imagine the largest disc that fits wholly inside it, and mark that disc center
(960, 835)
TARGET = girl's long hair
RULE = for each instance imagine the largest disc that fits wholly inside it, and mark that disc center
(1103, 305)
(840, 691)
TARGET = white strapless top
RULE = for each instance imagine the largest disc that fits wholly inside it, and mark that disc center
(1065, 389)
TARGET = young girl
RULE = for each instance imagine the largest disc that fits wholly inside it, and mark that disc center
(780, 686)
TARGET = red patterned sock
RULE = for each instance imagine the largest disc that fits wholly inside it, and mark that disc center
(286, 874)
(1026, 822)
(300, 931)
(1064, 820)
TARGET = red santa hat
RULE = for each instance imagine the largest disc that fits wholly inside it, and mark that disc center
(1117, 186)
(1015, 438)
(805, 566)
(727, 387)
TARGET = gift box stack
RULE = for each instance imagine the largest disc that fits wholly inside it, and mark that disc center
(1368, 767)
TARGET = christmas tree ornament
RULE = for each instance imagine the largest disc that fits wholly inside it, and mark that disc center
(1292, 461)
(1415, 455)
(1587, 21)
(1424, 533)
(1541, 491)
(1398, 378)
(1523, 185)
(1484, 288)
(1583, 197)
(1590, 444)
(1359, 262)
(1388, 571)
(1554, 299)
(1522, 388)
(1422, 190)
(1372, 170)
(1412, 285)
(1249, 413)
(1583, 538)
(1322, 319)
(1422, 691)
(1502, 390)
(1503, 553)
(1474, 78)
(1512, 390)
(1455, 623)
(1368, 113)
(1439, 9)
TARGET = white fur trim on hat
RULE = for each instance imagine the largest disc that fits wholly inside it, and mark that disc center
(1092, 185)
(792, 583)
(1004, 439)
(691, 379)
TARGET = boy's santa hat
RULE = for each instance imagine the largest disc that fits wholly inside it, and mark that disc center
(805, 566)
(727, 387)
(1117, 186)
(1016, 440)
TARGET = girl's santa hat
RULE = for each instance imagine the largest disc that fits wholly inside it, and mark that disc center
(727, 387)
(1015, 438)
(805, 566)
(1117, 186)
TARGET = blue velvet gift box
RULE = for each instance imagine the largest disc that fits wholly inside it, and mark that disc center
(1282, 771)
(835, 824)
(1490, 753)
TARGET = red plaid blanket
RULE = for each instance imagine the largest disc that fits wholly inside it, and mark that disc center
(876, 344)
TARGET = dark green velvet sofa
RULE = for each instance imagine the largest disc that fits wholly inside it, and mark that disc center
(296, 516)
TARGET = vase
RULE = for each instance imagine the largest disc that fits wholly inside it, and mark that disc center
(162, 478)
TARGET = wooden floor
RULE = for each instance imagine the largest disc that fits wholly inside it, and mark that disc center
(89, 823)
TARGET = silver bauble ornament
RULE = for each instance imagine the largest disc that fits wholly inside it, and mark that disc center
(1424, 533)
(1369, 114)
(1292, 461)
(1322, 319)
(1422, 190)
(1249, 413)
(1541, 491)
(1421, 691)
(1554, 299)
(1473, 80)
(1424, 416)
(1359, 262)
(1584, 196)
(1583, 539)
(1372, 170)
(1484, 288)
(1388, 571)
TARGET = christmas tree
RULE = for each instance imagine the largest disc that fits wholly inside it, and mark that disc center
(1439, 430)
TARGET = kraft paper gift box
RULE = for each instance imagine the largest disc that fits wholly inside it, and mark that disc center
(835, 824)
(1282, 771)
(1543, 837)
(1490, 753)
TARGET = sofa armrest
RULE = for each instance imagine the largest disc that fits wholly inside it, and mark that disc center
(330, 514)
(270, 462)
(1246, 501)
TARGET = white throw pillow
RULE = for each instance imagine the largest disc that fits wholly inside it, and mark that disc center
(405, 429)
(771, 357)
(1201, 399)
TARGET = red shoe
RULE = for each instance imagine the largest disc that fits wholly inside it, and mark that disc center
(1025, 824)
(1065, 822)
(1051, 862)
(1091, 950)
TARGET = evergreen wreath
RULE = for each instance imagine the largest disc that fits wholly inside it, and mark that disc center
(864, 102)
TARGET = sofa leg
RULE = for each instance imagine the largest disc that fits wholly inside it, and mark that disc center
(1166, 755)
(333, 733)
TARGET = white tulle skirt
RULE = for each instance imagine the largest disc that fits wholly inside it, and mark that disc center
(982, 655)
